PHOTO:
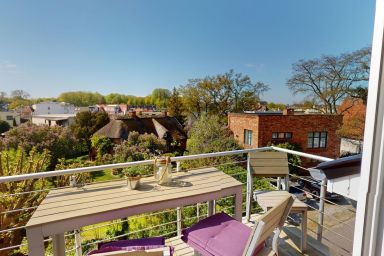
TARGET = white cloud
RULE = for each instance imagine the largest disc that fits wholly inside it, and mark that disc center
(257, 67)
(7, 67)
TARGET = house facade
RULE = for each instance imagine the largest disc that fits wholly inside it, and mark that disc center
(12, 118)
(47, 108)
(313, 133)
(64, 120)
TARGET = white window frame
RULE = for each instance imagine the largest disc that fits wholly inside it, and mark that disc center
(247, 138)
(369, 226)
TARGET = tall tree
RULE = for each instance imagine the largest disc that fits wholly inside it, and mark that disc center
(174, 105)
(330, 79)
(19, 94)
(81, 98)
(86, 124)
(222, 93)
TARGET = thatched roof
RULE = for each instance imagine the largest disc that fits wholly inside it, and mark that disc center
(160, 126)
(115, 129)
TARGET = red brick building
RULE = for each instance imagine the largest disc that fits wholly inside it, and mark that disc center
(314, 133)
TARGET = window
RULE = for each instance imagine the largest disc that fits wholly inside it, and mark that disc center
(317, 140)
(9, 117)
(247, 137)
(281, 135)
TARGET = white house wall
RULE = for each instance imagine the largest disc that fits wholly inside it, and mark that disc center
(347, 186)
(45, 108)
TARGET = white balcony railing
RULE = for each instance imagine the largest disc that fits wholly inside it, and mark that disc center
(78, 241)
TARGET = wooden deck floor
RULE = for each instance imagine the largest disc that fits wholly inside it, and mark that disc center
(288, 244)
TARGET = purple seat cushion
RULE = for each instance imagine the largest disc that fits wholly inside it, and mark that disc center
(131, 245)
(135, 242)
(218, 235)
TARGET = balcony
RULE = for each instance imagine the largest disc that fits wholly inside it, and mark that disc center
(102, 211)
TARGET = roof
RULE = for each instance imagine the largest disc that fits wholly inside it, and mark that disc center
(115, 129)
(159, 126)
(341, 167)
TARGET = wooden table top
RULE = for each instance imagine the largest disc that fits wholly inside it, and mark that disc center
(64, 204)
(268, 199)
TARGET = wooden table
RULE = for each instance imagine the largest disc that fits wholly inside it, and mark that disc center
(268, 199)
(69, 209)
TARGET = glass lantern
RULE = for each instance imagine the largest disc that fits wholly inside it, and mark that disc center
(163, 170)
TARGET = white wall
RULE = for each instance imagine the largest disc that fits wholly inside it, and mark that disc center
(347, 186)
(45, 108)
(351, 146)
(9, 117)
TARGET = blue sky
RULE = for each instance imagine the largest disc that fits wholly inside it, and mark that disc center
(132, 47)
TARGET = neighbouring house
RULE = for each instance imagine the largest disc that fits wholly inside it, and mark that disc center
(164, 127)
(111, 109)
(64, 120)
(25, 113)
(47, 108)
(314, 133)
(82, 109)
(12, 118)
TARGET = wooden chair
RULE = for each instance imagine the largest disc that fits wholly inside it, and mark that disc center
(266, 164)
(224, 236)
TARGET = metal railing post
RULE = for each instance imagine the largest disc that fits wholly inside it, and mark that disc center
(323, 192)
(178, 169)
(286, 180)
(210, 205)
(79, 251)
(179, 218)
(248, 203)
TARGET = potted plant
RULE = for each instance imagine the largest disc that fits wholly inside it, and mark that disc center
(133, 176)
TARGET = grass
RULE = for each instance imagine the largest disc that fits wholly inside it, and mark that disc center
(104, 176)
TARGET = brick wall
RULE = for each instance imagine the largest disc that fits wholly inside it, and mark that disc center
(238, 122)
(299, 125)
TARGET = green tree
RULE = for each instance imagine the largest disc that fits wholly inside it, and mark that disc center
(82, 98)
(58, 140)
(139, 147)
(102, 144)
(208, 135)
(4, 126)
(18, 162)
(159, 97)
(294, 160)
(330, 79)
(174, 105)
(86, 124)
(275, 106)
(16, 103)
(223, 93)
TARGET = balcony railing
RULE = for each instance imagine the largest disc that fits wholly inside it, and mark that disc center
(330, 223)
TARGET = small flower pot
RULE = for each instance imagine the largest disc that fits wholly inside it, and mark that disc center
(133, 182)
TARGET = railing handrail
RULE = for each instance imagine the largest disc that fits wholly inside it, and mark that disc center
(307, 155)
(47, 174)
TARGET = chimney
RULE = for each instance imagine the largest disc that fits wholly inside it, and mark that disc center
(132, 113)
(288, 111)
